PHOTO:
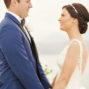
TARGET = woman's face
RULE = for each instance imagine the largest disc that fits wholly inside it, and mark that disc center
(66, 21)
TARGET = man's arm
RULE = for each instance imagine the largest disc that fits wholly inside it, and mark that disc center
(43, 78)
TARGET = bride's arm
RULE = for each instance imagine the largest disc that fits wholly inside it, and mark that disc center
(69, 65)
(54, 80)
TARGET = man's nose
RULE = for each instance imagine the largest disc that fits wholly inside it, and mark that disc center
(30, 5)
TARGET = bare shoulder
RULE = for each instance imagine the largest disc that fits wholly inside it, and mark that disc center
(74, 46)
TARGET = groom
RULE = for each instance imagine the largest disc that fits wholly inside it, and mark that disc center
(19, 62)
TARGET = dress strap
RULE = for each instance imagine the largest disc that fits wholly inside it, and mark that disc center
(81, 53)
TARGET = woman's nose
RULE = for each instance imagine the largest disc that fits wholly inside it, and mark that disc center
(59, 19)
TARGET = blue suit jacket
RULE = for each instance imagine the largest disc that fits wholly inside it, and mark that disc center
(17, 63)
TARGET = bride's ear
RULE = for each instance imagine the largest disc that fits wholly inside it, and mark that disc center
(75, 20)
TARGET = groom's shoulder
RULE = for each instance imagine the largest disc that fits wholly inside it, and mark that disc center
(5, 22)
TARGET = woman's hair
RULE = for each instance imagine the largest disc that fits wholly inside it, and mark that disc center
(78, 11)
(8, 2)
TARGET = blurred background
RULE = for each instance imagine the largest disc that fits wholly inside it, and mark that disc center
(45, 28)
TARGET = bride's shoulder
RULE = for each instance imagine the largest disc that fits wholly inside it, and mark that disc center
(74, 45)
(75, 42)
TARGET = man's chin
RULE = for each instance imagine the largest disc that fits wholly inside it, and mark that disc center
(24, 16)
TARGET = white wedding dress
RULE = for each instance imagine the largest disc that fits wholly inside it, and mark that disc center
(75, 80)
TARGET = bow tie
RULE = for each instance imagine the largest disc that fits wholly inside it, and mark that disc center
(22, 22)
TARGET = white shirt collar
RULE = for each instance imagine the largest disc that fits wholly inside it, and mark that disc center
(16, 16)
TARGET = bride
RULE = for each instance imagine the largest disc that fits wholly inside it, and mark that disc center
(73, 21)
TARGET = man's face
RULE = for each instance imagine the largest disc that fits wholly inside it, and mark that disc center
(23, 7)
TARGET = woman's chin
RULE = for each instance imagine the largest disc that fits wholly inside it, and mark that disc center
(61, 29)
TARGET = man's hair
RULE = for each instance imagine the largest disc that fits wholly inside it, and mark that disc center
(8, 2)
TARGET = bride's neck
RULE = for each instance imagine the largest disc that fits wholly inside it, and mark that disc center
(74, 34)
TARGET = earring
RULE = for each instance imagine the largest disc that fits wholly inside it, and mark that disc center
(73, 21)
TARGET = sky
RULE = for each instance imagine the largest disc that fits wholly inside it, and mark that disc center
(43, 21)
